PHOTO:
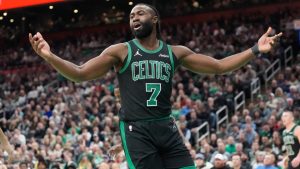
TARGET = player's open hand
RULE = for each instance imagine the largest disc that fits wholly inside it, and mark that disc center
(266, 43)
(39, 45)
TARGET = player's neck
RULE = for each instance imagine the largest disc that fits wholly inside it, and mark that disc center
(290, 126)
(150, 42)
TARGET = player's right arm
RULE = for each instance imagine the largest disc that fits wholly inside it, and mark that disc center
(296, 160)
(92, 69)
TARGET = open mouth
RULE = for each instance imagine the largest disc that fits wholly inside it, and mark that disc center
(137, 26)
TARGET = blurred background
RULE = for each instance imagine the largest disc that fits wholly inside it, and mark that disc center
(54, 123)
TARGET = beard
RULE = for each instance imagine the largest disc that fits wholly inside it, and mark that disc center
(145, 30)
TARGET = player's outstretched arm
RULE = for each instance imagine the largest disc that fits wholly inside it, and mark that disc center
(205, 64)
(5, 145)
(296, 160)
(92, 69)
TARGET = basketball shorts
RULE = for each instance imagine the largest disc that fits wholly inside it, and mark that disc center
(154, 144)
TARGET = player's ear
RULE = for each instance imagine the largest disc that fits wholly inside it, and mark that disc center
(155, 19)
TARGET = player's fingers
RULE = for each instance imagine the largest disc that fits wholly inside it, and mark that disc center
(268, 32)
(277, 36)
(35, 37)
(272, 43)
(39, 35)
(36, 44)
(30, 38)
(40, 46)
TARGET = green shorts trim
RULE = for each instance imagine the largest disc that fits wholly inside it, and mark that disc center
(123, 138)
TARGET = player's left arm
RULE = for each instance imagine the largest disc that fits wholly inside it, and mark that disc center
(296, 160)
(200, 63)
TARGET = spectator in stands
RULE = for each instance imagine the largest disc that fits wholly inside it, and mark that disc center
(230, 146)
(23, 165)
(237, 162)
(222, 133)
(213, 140)
(269, 162)
(250, 134)
(220, 162)
(220, 151)
(185, 131)
(42, 163)
(84, 162)
(201, 163)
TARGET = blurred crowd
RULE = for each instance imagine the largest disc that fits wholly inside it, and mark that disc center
(99, 14)
(54, 123)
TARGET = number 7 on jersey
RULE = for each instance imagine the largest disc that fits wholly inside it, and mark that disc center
(155, 88)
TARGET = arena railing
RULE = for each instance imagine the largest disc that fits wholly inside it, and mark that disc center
(203, 131)
(255, 88)
(288, 56)
(271, 71)
(222, 116)
(239, 101)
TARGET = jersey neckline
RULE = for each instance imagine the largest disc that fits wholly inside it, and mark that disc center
(137, 43)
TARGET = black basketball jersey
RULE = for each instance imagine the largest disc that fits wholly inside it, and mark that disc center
(145, 82)
(291, 143)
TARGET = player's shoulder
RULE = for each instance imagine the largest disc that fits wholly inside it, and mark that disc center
(179, 47)
(119, 50)
(118, 46)
(297, 130)
(181, 51)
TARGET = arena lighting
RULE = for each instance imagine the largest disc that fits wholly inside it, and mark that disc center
(23, 18)
(130, 3)
(50, 7)
(195, 4)
(10, 4)
(1, 18)
(75, 11)
(113, 7)
(11, 20)
(5, 14)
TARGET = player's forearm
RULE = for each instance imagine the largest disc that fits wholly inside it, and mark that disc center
(64, 67)
(235, 61)
(4, 141)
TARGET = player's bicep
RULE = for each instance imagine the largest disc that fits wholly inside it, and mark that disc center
(198, 63)
(100, 65)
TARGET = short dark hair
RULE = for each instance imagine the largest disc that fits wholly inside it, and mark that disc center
(23, 163)
(158, 33)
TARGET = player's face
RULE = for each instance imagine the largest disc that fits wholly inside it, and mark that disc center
(141, 21)
(286, 118)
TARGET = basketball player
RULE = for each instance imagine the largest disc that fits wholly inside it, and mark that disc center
(291, 139)
(145, 68)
